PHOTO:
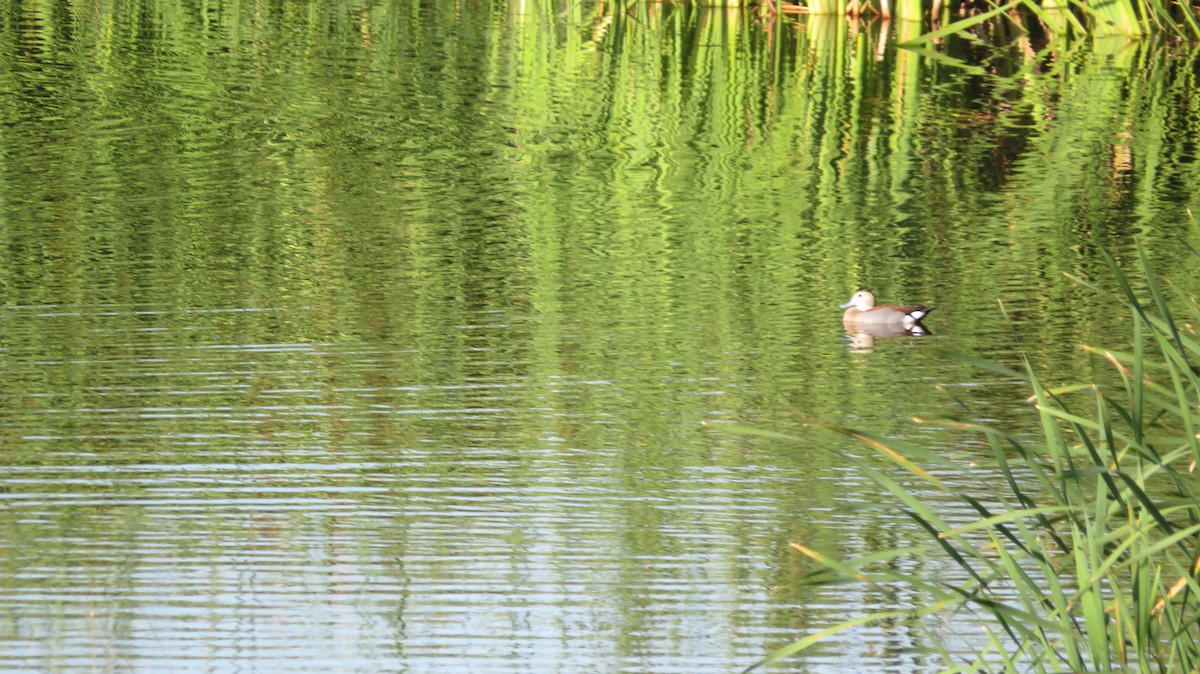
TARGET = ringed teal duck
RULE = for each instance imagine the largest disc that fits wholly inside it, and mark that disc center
(862, 312)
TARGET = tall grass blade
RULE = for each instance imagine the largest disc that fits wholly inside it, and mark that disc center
(1111, 17)
(781, 653)
(961, 25)
(1161, 302)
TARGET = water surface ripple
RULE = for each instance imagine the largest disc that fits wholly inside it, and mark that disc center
(406, 337)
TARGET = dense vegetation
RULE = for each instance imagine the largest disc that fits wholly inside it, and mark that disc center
(1060, 18)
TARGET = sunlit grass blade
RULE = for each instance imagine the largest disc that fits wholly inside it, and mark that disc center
(983, 364)
(1090, 600)
(997, 521)
(795, 647)
(901, 452)
(962, 24)
(1161, 302)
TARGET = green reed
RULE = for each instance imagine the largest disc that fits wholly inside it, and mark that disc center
(1087, 559)
(1130, 18)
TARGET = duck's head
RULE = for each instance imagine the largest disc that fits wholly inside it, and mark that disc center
(862, 300)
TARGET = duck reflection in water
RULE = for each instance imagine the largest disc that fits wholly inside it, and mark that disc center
(864, 321)
(863, 341)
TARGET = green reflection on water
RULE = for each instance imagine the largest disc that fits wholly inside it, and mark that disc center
(404, 313)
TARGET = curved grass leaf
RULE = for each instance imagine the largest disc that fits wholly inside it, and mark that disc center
(795, 647)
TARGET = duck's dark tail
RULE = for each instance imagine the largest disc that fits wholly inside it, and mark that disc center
(918, 313)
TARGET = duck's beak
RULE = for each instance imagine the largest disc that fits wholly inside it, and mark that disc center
(847, 304)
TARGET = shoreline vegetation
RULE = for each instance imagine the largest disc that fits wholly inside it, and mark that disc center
(1086, 558)
(1054, 18)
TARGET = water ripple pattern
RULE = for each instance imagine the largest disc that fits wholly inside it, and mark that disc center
(408, 336)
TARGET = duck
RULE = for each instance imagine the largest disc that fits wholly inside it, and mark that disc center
(861, 312)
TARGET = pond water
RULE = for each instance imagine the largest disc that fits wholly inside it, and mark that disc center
(368, 337)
